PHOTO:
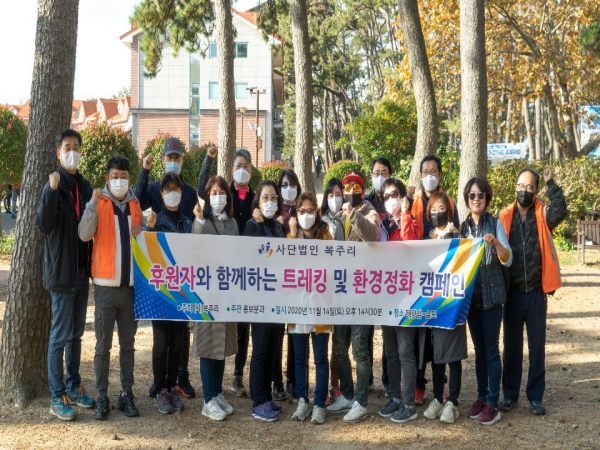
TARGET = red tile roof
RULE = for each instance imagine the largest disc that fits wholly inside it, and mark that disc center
(24, 111)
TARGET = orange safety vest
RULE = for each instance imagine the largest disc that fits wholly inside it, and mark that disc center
(550, 266)
(417, 211)
(103, 253)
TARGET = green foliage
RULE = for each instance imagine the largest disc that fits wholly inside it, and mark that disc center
(450, 171)
(342, 168)
(590, 38)
(7, 244)
(255, 178)
(390, 132)
(155, 147)
(192, 164)
(99, 143)
(271, 170)
(563, 244)
(13, 143)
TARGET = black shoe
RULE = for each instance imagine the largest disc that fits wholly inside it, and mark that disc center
(279, 392)
(291, 390)
(184, 387)
(102, 408)
(152, 392)
(126, 403)
(507, 404)
(538, 408)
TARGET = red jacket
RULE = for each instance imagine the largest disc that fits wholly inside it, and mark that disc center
(409, 229)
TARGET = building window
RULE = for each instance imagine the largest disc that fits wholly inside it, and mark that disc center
(240, 50)
(241, 91)
(212, 50)
(195, 101)
(213, 91)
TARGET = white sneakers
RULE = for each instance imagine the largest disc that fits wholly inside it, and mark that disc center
(450, 413)
(356, 414)
(434, 410)
(302, 411)
(226, 407)
(318, 415)
(213, 410)
(340, 405)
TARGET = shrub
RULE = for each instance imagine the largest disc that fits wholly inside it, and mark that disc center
(155, 147)
(13, 143)
(192, 164)
(271, 170)
(342, 168)
(7, 244)
(256, 177)
(99, 143)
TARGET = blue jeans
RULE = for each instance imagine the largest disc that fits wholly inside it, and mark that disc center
(484, 325)
(211, 372)
(320, 348)
(343, 335)
(68, 323)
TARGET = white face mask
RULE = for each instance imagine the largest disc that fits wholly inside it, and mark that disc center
(335, 204)
(378, 182)
(306, 221)
(268, 209)
(173, 166)
(119, 187)
(289, 193)
(172, 199)
(430, 183)
(70, 160)
(392, 206)
(241, 176)
(218, 203)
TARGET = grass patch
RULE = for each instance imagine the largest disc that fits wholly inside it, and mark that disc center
(7, 244)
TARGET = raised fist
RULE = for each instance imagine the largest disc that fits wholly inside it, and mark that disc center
(96, 195)
(410, 193)
(151, 219)
(257, 215)
(148, 161)
(54, 180)
(212, 151)
(548, 175)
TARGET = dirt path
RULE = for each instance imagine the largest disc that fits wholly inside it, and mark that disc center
(572, 399)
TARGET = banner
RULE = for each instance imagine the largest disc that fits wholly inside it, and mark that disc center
(250, 279)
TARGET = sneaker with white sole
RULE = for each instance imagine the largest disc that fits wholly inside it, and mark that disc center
(318, 415)
(390, 408)
(342, 404)
(356, 414)
(302, 410)
(405, 414)
(489, 416)
(450, 413)
(226, 407)
(434, 410)
(213, 411)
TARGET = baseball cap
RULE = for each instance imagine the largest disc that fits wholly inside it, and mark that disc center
(172, 145)
(353, 177)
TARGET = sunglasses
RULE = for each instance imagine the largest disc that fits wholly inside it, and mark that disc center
(353, 187)
(479, 195)
(393, 194)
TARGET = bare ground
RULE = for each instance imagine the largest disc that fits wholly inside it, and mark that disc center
(572, 398)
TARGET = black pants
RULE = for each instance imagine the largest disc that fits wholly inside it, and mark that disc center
(437, 375)
(265, 344)
(243, 339)
(290, 370)
(384, 374)
(184, 356)
(167, 340)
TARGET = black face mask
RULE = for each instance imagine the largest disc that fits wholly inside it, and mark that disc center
(439, 219)
(525, 198)
(353, 199)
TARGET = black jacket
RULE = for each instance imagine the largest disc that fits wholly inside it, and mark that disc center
(149, 196)
(379, 206)
(57, 219)
(164, 223)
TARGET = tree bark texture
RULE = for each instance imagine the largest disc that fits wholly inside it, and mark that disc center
(527, 121)
(539, 125)
(304, 97)
(422, 83)
(227, 114)
(474, 103)
(28, 315)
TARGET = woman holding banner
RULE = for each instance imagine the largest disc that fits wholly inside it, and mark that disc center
(213, 342)
(449, 346)
(265, 336)
(307, 224)
(489, 296)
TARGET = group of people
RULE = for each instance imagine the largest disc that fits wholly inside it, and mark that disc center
(518, 270)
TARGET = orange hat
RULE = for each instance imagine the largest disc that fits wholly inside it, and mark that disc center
(353, 177)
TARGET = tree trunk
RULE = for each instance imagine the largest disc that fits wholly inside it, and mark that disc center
(509, 108)
(227, 114)
(539, 125)
(427, 120)
(527, 120)
(27, 319)
(474, 103)
(567, 148)
(304, 105)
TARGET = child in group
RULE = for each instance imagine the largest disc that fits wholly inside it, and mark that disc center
(168, 334)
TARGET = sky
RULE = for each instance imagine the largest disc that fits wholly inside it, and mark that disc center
(103, 65)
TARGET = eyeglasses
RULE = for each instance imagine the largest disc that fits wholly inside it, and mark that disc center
(352, 187)
(266, 198)
(377, 173)
(525, 187)
(287, 185)
(474, 195)
(306, 211)
(393, 194)
(433, 172)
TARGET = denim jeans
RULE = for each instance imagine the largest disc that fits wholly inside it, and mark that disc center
(211, 372)
(114, 304)
(484, 325)
(68, 323)
(399, 346)
(320, 348)
(358, 335)
(529, 309)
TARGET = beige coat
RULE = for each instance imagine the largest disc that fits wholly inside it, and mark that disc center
(215, 340)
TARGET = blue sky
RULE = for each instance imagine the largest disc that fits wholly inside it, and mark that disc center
(103, 62)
